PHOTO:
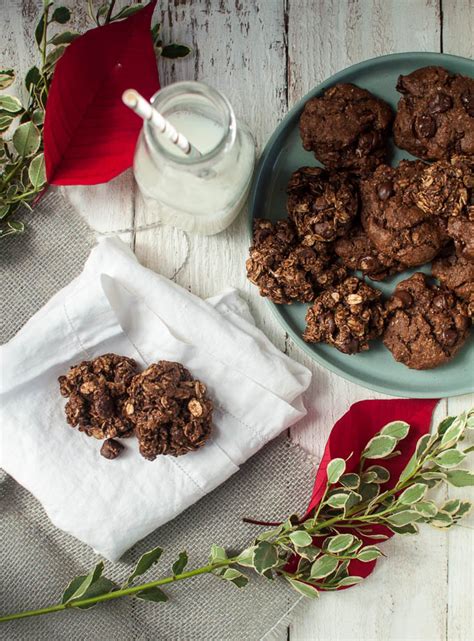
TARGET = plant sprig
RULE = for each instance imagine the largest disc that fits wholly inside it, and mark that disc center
(22, 166)
(325, 543)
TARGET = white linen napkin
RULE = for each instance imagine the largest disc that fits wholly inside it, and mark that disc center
(117, 305)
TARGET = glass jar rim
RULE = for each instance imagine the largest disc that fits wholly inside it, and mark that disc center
(219, 102)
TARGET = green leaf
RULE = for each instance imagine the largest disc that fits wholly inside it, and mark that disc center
(53, 56)
(33, 76)
(409, 528)
(339, 543)
(39, 31)
(413, 494)
(335, 470)
(450, 458)
(245, 558)
(310, 552)
(426, 508)
(152, 594)
(26, 139)
(369, 553)
(81, 587)
(10, 104)
(4, 209)
(217, 554)
(174, 51)
(379, 447)
(422, 445)
(38, 116)
(369, 477)
(409, 469)
(469, 449)
(460, 478)
(127, 11)
(451, 506)
(464, 509)
(397, 429)
(103, 585)
(303, 588)
(37, 171)
(382, 475)
(323, 566)
(180, 563)
(16, 227)
(7, 77)
(404, 517)
(265, 557)
(351, 481)
(61, 15)
(235, 577)
(144, 563)
(5, 121)
(445, 424)
(453, 433)
(442, 519)
(300, 538)
(337, 501)
(270, 534)
(64, 38)
(349, 580)
(433, 475)
(368, 491)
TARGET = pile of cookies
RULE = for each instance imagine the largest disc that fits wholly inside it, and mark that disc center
(360, 214)
(163, 406)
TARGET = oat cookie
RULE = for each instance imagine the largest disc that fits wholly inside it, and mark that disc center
(346, 317)
(96, 391)
(347, 128)
(392, 219)
(435, 116)
(427, 325)
(169, 409)
(321, 204)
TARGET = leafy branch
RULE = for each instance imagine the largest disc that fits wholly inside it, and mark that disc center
(22, 166)
(315, 554)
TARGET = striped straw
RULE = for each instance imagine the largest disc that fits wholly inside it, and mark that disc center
(145, 110)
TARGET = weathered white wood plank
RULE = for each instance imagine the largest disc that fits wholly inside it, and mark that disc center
(458, 27)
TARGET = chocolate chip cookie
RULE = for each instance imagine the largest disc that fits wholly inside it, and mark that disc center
(427, 325)
(391, 218)
(457, 274)
(346, 317)
(445, 187)
(435, 116)
(169, 409)
(347, 128)
(97, 391)
(356, 251)
(321, 204)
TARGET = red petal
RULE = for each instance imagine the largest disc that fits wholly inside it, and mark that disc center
(89, 135)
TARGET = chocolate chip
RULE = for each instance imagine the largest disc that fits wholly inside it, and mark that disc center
(368, 263)
(350, 346)
(385, 190)
(323, 230)
(400, 86)
(405, 297)
(440, 103)
(467, 100)
(449, 337)
(111, 449)
(425, 126)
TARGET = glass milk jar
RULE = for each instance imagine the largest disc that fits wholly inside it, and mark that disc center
(201, 195)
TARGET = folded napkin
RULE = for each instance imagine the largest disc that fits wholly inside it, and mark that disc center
(117, 305)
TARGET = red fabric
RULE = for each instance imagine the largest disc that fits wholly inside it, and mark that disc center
(89, 135)
(350, 435)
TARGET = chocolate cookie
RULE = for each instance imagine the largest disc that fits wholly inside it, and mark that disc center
(457, 274)
(97, 391)
(286, 271)
(445, 187)
(461, 230)
(435, 117)
(391, 218)
(427, 325)
(346, 128)
(356, 251)
(170, 410)
(347, 317)
(321, 204)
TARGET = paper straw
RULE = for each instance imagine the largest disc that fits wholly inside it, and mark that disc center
(145, 110)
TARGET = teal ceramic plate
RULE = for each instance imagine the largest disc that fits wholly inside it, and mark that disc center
(375, 369)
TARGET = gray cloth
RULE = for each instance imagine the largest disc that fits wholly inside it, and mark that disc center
(37, 560)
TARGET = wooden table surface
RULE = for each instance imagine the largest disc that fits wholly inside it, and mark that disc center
(264, 55)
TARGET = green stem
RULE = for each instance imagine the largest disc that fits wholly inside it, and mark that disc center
(206, 569)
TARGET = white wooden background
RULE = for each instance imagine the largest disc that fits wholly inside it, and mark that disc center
(266, 54)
